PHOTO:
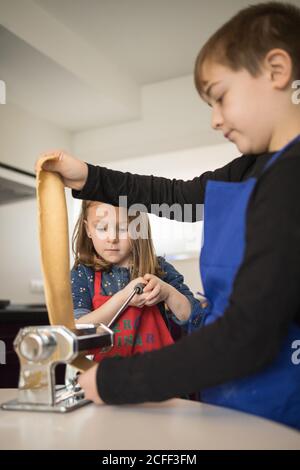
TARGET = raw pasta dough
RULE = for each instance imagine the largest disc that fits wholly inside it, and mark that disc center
(54, 248)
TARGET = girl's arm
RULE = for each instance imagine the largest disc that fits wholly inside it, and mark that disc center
(82, 293)
(179, 305)
(181, 300)
(107, 311)
(81, 282)
(159, 291)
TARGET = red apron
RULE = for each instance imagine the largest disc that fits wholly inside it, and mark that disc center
(137, 330)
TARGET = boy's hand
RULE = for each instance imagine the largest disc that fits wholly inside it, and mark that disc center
(87, 382)
(73, 172)
(156, 290)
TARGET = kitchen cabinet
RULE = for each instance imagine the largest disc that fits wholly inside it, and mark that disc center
(12, 318)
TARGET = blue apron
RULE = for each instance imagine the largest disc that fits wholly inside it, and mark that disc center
(273, 393)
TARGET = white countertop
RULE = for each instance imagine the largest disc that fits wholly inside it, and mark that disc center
(174, 424)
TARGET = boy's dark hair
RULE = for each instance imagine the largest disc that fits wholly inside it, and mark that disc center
(247, 37)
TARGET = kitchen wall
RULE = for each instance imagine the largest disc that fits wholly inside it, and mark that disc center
(23, 138)
(179, 242)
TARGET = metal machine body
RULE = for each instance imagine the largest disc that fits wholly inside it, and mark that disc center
(41, 348)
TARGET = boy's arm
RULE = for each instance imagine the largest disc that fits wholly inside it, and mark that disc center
(101, 184)
(247, 338)
(107, 185)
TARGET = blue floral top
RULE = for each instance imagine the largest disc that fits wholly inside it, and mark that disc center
(82, 279)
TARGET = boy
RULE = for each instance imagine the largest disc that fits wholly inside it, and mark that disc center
(250, 261)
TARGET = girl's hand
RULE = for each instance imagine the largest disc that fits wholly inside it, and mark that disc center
(73, 172)
(139, 299)
(156, 290)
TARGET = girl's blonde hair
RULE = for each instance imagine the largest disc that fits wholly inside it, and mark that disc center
(143, 257)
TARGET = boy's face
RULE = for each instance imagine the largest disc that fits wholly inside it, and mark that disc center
(107, 226)
(242, 106)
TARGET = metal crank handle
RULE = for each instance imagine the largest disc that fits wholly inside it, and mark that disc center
(69, 394)
(138, 289)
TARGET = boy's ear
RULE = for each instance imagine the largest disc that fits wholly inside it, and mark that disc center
(279, 66)
(87, 229)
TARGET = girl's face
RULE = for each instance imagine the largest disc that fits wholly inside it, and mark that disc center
(236, 101)
(107, 226)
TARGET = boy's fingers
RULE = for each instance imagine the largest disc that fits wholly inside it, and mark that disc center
(50, 165)
(87, 382)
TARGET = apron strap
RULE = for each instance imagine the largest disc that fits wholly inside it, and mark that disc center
(280, 152)
(97, 282)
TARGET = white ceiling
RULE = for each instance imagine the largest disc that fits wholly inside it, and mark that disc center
(154, 40)
(82, 63)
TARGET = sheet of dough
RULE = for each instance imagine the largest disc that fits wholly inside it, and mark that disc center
(54, 249)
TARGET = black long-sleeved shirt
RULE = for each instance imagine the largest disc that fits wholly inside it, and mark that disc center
(266, 292)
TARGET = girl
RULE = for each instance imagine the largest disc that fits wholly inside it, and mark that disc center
(111, 257)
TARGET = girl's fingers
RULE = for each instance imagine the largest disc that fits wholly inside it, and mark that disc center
(138, 300)
(155, 292)
(150, 286)
(153, 301)
(141, 298)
